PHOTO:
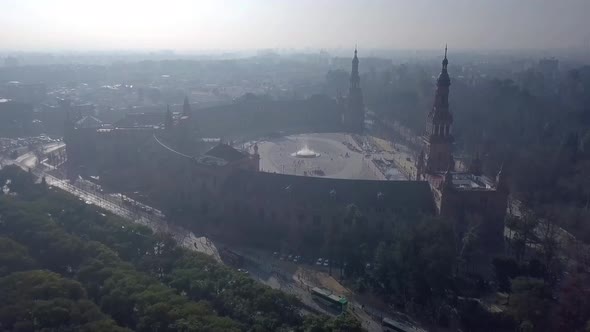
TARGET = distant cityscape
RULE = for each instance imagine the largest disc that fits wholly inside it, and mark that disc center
(176, 185)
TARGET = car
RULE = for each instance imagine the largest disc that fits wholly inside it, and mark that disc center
(289, 257)
(326, 262)
(275, 254)
(319, 261)
(244, 271)
(295, 260)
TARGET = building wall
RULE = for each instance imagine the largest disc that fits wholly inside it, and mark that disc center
(438, 158)
(208, 195)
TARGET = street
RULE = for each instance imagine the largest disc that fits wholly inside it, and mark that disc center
(298, 279)
(136, 212)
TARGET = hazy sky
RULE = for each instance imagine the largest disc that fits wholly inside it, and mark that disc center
(187, 25)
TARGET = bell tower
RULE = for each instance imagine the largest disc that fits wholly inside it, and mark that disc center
(438, 139)
(354, 115)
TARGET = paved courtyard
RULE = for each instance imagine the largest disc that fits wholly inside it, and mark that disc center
(339, 155)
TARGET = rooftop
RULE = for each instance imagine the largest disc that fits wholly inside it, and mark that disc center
(466, 181)
(88, 122)
(226, 152)
(201, 159)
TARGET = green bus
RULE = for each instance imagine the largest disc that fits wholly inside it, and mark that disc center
(329, 299)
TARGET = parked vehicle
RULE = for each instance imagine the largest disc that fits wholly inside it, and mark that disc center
(329, 299)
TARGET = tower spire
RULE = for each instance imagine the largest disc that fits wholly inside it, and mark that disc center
(354, 116)
(354, 74)
(186, 107)
(445, 61)
(438, 128)
(168, 120)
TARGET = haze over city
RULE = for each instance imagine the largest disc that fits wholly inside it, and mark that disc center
(185, 25)
(295, 165)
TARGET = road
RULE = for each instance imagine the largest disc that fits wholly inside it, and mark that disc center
(298, 279)
(571, 251)
(135, 213)
(90, 193)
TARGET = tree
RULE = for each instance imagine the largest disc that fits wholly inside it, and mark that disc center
(505, 269)
(549, 243)
(42, 300)
(573, 311)
(524, 233)
(582, 178)
(343, 323)
(469, 245)
(13, 257)
(531, 302)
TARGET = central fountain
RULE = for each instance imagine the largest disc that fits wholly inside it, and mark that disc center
(305, 152)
